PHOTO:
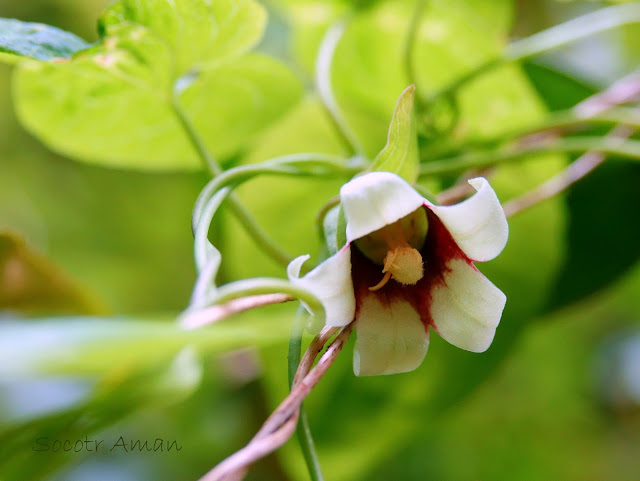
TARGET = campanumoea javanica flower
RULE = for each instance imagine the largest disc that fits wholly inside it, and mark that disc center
(408, 268)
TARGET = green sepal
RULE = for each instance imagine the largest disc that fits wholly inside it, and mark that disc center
(335, 229)
(400, 155)
(341, 230)
(330, 228)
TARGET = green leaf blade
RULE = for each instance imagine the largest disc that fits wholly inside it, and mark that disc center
(108, 107)
(113, 104)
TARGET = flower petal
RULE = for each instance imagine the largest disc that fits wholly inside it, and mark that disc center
(331, 283)
(391, 337)
(478, 224)
(375, 200)
(466, 309)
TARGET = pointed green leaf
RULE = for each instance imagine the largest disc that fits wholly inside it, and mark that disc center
(400, 155)
(199, 33)
(36, 40)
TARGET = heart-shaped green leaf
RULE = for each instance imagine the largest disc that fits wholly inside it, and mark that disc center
(113, 104)
(105, 107)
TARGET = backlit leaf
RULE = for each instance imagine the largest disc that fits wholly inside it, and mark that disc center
(400, 155)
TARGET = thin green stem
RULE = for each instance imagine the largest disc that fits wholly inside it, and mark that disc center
(268, 245)
(201, 246)
(324, 60)
(312, 164)
(268, 285)
(209, 161)
(559, 120)
(205, 281)
(577, 170)
(207, 257)
(410, 45)
(303, 430)
(574, 30)
(259, 235)
(551, 39)
(295, 342)
(322, 213)
(629, 149)
(566, 119)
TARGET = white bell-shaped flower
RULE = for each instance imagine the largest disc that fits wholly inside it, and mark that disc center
(408, 267)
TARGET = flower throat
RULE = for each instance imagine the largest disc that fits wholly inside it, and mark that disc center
(396, 247)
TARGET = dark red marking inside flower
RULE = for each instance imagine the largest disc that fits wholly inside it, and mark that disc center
(438, 250)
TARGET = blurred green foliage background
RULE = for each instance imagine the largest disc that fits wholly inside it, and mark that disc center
(556, 397)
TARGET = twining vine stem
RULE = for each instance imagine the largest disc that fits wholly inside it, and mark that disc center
(279, 427)
(550, 39)
(303, 430)
(601, 104)
(555, 123)
(243, 295)
(410, 45)
(210, 303)
(212, 314)
(301, 164)
(578, 169)
(629, 149)
(266, 243)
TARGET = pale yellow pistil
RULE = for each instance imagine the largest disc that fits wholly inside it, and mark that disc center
(402, 263)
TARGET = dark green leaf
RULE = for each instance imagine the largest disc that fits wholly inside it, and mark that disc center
(602, 241)
(37, 41)
(558, 90)
(604, 233)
